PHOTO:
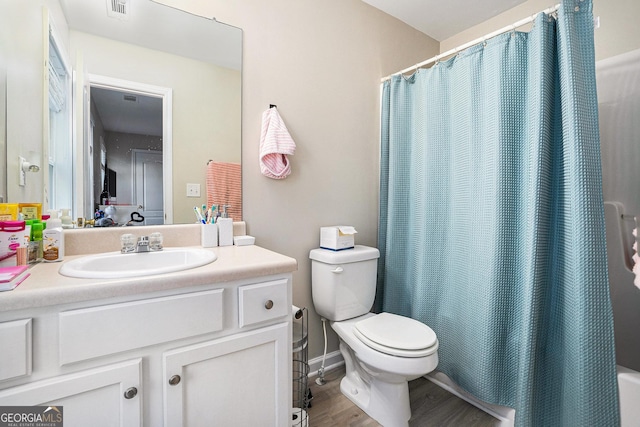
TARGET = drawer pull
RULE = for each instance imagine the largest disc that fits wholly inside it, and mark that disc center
(130, 393)
(268, 305)
(174, 380)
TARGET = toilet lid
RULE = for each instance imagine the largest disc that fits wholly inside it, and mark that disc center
(397, 335)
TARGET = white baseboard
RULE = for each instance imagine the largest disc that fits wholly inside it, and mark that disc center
(332, 361)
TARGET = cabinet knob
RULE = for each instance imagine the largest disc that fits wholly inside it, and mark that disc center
(174, 380)
(268, 305)
(130, 393)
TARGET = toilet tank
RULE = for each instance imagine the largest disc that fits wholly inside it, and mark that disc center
(343, 283)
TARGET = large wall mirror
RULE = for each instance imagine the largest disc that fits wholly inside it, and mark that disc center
(135, 100)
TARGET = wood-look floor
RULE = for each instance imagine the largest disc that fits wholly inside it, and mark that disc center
(430, 406)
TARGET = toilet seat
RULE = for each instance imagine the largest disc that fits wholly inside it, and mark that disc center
(396, 335)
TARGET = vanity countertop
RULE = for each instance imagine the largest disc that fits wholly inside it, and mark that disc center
(46, 287)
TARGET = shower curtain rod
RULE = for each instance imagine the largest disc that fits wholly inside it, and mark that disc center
(455, 50)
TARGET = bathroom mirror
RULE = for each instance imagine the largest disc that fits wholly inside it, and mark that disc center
(3, 133)
(143, 49)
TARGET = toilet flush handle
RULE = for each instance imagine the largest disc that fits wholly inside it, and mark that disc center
(337, 270)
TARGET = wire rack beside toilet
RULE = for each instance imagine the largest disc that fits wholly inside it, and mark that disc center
(301, 392)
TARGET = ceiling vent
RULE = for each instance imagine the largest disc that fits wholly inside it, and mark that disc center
(119, 9)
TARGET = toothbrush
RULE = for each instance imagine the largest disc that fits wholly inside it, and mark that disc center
(198, 214)
(213, 209)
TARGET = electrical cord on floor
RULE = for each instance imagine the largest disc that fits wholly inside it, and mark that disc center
(320, 380)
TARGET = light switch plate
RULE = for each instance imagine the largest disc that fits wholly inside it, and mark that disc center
(193, 190)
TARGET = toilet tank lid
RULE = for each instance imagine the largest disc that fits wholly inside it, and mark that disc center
(358, 253)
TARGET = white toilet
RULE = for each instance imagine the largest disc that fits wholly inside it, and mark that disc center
(382, 352)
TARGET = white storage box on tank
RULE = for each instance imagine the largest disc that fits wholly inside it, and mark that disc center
(342, 281)
(337, 237)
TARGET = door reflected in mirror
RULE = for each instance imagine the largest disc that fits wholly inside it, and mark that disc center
(126, 154)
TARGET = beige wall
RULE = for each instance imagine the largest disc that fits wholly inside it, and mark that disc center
(618, 32)
(321, 64)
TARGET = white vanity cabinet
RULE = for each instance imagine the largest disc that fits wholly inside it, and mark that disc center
(248, 366)
(104, 396)
(207, 355)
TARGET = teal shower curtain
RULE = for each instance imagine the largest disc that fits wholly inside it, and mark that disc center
(492, 225)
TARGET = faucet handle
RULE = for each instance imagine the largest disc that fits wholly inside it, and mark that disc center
(127, 243)
(155, 241)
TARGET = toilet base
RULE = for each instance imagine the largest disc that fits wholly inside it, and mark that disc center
(385, 402)
(388, 412)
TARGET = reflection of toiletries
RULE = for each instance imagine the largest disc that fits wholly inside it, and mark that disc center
(8, 211)
(30, 210)
(66, 219)
(105, 197)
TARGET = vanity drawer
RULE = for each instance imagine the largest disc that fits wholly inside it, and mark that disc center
(98, 331)
(15, 358)
(262, 302)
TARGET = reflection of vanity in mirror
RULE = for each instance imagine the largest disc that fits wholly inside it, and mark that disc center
(129, 94)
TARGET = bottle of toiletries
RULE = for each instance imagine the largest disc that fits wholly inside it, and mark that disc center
(35, 245)
(105, 197)
(12, 239)
(65, 218)
(225, 228)
(53, 239)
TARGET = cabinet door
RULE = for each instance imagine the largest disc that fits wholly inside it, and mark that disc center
(94, 397)
(241, 380)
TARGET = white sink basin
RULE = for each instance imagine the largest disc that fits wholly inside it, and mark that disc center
(115, 265)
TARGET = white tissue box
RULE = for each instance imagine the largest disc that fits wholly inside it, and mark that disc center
(337, 238)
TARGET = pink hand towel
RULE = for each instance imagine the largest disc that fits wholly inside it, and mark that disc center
(275, 145)
(224, 187)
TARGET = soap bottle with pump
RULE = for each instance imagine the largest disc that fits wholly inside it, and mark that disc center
(225, 227)
(53, 239)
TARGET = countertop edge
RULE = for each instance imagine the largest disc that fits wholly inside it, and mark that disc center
(46, 287)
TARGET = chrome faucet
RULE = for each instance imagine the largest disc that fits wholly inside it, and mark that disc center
(129, 245)
(143, 244)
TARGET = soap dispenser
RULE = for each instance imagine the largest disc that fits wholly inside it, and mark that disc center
(225, 227)
(53, 239)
